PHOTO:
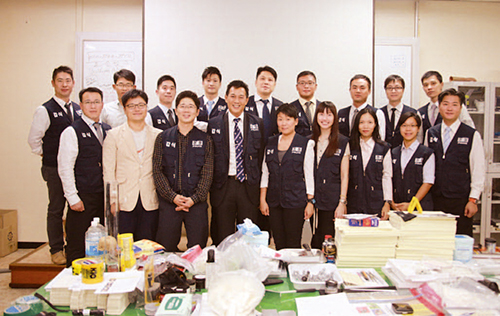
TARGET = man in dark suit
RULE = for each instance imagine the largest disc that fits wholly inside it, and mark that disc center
(211, 105)
(163, 115)
(394, 86)
(306, 103)
(239, 143)
(49, 120)
(262, 104)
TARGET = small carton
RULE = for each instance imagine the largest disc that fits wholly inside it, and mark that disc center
(8, 232)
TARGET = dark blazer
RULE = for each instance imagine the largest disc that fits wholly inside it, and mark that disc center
(159, 119)
(253, 151)
(251, 108)
(219, 108)
(303, 128)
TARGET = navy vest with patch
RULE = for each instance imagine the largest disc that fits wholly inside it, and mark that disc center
(406, 185)
(453, 167)
(426, 123)
(393, 137)
(59, 120)
(286, 185)
(88, 164)
(193, 163)
(217, 109)
(252, 142)
(327, 178)
(365, 194)
(159, 119)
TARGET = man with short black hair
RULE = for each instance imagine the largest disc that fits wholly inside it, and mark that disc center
(80, 168)
(360, 89)
(113, 113)
(49, 120)
(239, 140)
(183, 169)
(306, 103)
(263, 104)
(432, 83)
(163, 115)
(460, 164)
(211, 105)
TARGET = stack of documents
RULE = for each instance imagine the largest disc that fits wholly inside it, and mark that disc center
(413, 273)
(364, 247)
(430, 234)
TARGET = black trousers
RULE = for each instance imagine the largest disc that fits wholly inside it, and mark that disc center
(456, 207)
(77, 224)
(235, 207)
(170, 225)
(143, 224)
(55, 209)
(286, 224)
(326, 226)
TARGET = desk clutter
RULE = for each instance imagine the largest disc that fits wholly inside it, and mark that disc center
(243, 276)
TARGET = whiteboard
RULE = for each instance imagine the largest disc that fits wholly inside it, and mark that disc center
(332, 38)
(397, 56)
(100, 55)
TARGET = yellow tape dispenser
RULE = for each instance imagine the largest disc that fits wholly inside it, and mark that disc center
(415, 203)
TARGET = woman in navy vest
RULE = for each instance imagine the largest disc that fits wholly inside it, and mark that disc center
(331, 171)
(370, 168)
(287, 184)
(412, 166)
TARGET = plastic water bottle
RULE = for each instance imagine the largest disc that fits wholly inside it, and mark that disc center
(92, 237)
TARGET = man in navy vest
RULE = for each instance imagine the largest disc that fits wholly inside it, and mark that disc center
(306, 103)
(112, 112)
(80, 168)
(49, 121)
(163, 115)
(360, 89)
(460, 164)
(263, 104)
(211, 105)
(432, 83)
(238, 138)
(394, 86)
(182, 170)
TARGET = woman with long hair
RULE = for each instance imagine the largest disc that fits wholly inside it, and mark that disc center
(331, 171)
(370, 168)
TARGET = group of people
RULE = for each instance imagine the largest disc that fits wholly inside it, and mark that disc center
(255, 157)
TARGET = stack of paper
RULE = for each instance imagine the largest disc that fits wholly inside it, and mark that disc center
(430, 234)
(117, 303)
(364, 247)
(413, 273)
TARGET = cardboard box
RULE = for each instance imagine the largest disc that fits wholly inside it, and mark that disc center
(8, 232)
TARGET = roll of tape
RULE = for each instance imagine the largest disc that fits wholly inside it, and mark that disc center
(32, 302)
(76, 265)
(18, 310)
(92, 271)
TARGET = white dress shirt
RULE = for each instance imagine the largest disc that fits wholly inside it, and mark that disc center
(380, 118)
(164, 109)
(260, 105)
(113, 114)
(366, 153)
(429, 166)
(66, 159)
(232, 145)
(308, 169)
(476, 159)
(41, 123)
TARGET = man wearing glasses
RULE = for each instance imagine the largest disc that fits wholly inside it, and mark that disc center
(360, 89)
(127, 159)
(113, 113)
(306, 103)
(394, 86)
(49, 120)
(80, 168)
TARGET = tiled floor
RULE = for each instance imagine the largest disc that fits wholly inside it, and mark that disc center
(9, 295)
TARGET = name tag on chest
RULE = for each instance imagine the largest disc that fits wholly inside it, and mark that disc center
(161, 121)
(169, 144)
(197, 144)
(254, 127)
(354, 157)
(296, 150)
(215, 130)
(86, 135)
(338, 152)
(419, 161)
(270, 152)
(379, 158)
(463, 140)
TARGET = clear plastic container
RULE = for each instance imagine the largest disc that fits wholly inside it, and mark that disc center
(92, 237)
